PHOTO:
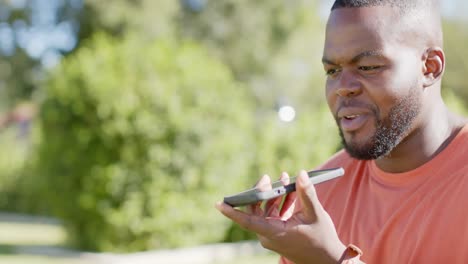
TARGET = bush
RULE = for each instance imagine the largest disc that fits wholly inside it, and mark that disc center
(14, 157)
(19, 188)
(304, 143)
(139, 141)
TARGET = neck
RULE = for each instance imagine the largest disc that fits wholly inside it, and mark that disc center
(424, 142)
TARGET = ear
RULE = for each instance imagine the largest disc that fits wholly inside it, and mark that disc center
(434, 66)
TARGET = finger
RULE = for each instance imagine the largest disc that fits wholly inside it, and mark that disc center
(308, 196)
(263, 184)
(272, 207)
(289, 206)
(285, 178)
(255, 209)
(254, 223)
(286, 204)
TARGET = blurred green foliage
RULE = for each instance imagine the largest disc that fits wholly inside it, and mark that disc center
(268, 45)
(303, 144)
(456, 35)
(19, 182)
(13, 159)
(243, 34)
(139, 141)
(140, 133)
(23, 48)
(18, 78)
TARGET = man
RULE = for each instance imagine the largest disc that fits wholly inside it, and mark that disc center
(402, 197)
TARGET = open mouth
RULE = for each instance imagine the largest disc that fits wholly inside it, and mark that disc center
(353, 122)
(351, 117)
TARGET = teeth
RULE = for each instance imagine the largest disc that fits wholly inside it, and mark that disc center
(351, 116)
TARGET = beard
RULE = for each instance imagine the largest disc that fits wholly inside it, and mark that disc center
(389, 132)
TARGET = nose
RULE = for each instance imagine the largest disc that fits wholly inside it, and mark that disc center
(348, 85)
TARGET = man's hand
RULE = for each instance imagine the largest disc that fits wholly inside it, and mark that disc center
(303, 235)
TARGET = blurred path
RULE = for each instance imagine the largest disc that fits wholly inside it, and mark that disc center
(216, 253)
(34, 240)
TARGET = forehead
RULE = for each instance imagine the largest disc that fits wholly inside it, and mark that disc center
(354, 30)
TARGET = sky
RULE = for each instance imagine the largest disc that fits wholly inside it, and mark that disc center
(45, 37)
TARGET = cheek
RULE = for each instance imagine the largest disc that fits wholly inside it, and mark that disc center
(382, 94)
(393, 86)
(330, 96)
(407, 77)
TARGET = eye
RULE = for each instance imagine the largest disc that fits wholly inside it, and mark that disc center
(369, 68)
(332, 72)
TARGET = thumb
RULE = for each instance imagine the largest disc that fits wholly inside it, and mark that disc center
(308, 197)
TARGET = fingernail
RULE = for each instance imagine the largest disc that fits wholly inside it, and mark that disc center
(264, 183)
(284, 178)
(218, 205)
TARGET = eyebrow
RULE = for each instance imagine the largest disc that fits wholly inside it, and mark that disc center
(368, 53)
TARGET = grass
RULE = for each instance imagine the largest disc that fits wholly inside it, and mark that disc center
(6, 249)
(31, 234)
(23, 241)
(32, 259)
(31, 241)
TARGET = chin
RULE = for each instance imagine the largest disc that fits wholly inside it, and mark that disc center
(359, 139)
(362, 147)
(358, 145)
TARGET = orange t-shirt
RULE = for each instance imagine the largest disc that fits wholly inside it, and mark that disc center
(419, 216)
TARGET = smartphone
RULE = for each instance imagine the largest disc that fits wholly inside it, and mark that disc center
(254, 195)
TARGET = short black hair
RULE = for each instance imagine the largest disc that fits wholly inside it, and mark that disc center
(401, 4)
(417, 11)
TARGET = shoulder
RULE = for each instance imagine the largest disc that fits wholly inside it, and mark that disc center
(459, 144)
(464, 132)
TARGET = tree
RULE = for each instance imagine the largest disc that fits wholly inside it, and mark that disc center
(455, 37)
(248, 36)
(33, 37)
(134, 157)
